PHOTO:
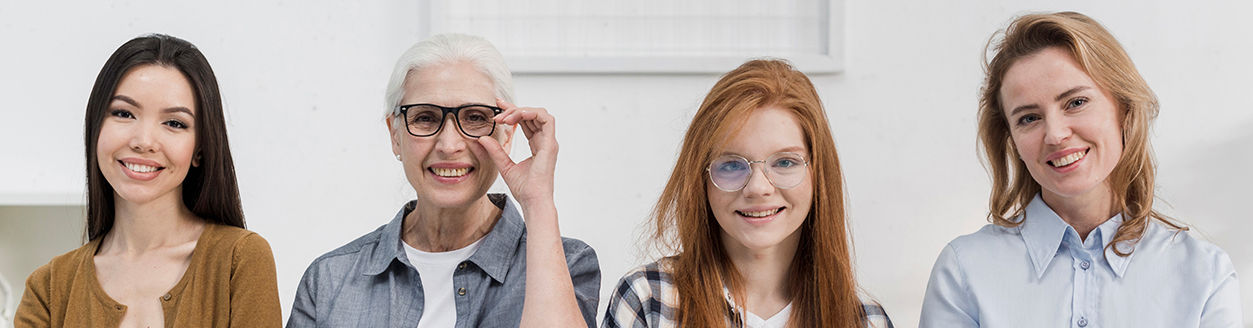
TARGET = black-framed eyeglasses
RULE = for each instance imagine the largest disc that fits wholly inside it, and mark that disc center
(784, 170)
(424, 120)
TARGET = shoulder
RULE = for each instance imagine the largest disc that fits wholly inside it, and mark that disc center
(576, 249)
(64, 267)
(989, 236)
(235, 238)
(1182, 249)
(875, 315)
(349, 252)
(645, 296)
(649, 281)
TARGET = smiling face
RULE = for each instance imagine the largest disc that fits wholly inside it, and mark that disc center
(148, 136)
(1066, 129)
(448, 169)
(761, 216)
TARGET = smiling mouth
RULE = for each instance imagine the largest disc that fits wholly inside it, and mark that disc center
(760, 214)
(1068, 159)
(141, 168)
(450, 173)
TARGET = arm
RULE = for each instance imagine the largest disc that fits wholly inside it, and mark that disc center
(947, 302)
(549, 300)
(254, 288)
(304, 309)
(33, 312)
(1222, 309)
(585, 274)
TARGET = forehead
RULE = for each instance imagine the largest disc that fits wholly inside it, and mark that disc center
(448, 84)
(156, 86)
(767, 130)
(1039, 77)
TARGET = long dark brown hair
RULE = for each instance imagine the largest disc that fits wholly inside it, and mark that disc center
(209, 190)
(1102, 58)
(823, 288)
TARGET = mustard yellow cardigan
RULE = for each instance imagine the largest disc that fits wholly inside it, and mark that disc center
(229, 283)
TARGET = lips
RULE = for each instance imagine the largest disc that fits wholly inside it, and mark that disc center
(450, 172)
(759, 213)
(1068, 159)
(140, 169)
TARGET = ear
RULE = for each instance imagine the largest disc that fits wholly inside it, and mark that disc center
(195, 160)
(505, 136)
(393, 134)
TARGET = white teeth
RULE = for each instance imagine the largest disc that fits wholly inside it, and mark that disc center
(140, 168)
(761, 214)
(1060, 162)
(450, 172)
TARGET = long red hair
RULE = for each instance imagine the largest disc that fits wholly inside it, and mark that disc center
(824, 291)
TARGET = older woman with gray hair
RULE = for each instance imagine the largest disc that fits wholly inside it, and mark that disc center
(458, 256)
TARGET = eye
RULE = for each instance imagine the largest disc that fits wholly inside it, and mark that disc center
(784, 163)
(475, 117)
(1077, 102)
(731, 166)
(121, 113)
(1028, 119)
(175, 124)
(425, 117)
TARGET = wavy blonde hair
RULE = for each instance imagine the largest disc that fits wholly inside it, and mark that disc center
(1102, 58)
(825, 293)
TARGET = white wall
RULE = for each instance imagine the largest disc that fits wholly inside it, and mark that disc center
(303, 83)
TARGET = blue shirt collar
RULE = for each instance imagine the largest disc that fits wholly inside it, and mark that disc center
(1044, 232)
(493, 256)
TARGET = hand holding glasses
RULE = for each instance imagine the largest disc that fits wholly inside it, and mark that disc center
(784, 170)
(530, 180)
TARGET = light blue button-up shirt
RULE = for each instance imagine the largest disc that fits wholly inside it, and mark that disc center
(1040, 274)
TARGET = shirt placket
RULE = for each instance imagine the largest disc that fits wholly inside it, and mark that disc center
(461, 283)
(1082, 297)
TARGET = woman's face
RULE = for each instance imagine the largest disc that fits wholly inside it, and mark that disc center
(761, 216)
(1065, 127)
(148, 135)
(448, 169)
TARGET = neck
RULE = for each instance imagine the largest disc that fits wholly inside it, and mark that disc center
(160, 223)
(765, 273)
(440, 229)
(1084, 212)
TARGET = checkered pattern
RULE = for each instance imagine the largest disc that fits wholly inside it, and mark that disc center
(646, 298)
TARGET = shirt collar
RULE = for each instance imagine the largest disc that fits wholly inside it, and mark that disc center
(1044, 232)
(494, 255)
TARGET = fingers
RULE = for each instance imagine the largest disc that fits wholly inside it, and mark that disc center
(497, 153)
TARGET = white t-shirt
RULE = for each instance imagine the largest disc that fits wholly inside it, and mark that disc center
(778, 320)
(436, 270)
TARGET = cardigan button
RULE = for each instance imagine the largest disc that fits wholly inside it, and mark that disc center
(119, 307)
(166, 297)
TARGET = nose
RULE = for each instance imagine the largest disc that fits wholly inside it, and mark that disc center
(449, 140)
(142, 140)
(1056, 130)
(758, 184)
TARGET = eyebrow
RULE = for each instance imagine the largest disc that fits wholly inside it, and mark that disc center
(792, 149)
(175, 109)
(1059, 97)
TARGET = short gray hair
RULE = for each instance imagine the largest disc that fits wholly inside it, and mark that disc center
(449, 48)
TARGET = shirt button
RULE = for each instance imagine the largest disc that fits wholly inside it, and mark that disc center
(1085, 265)
(166, 297)
(1083, 322)
(461, 291)
(462, 266)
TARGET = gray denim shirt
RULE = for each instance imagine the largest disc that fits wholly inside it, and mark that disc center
(370, 282)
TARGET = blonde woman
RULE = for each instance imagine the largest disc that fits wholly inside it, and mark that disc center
(1075, 241)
